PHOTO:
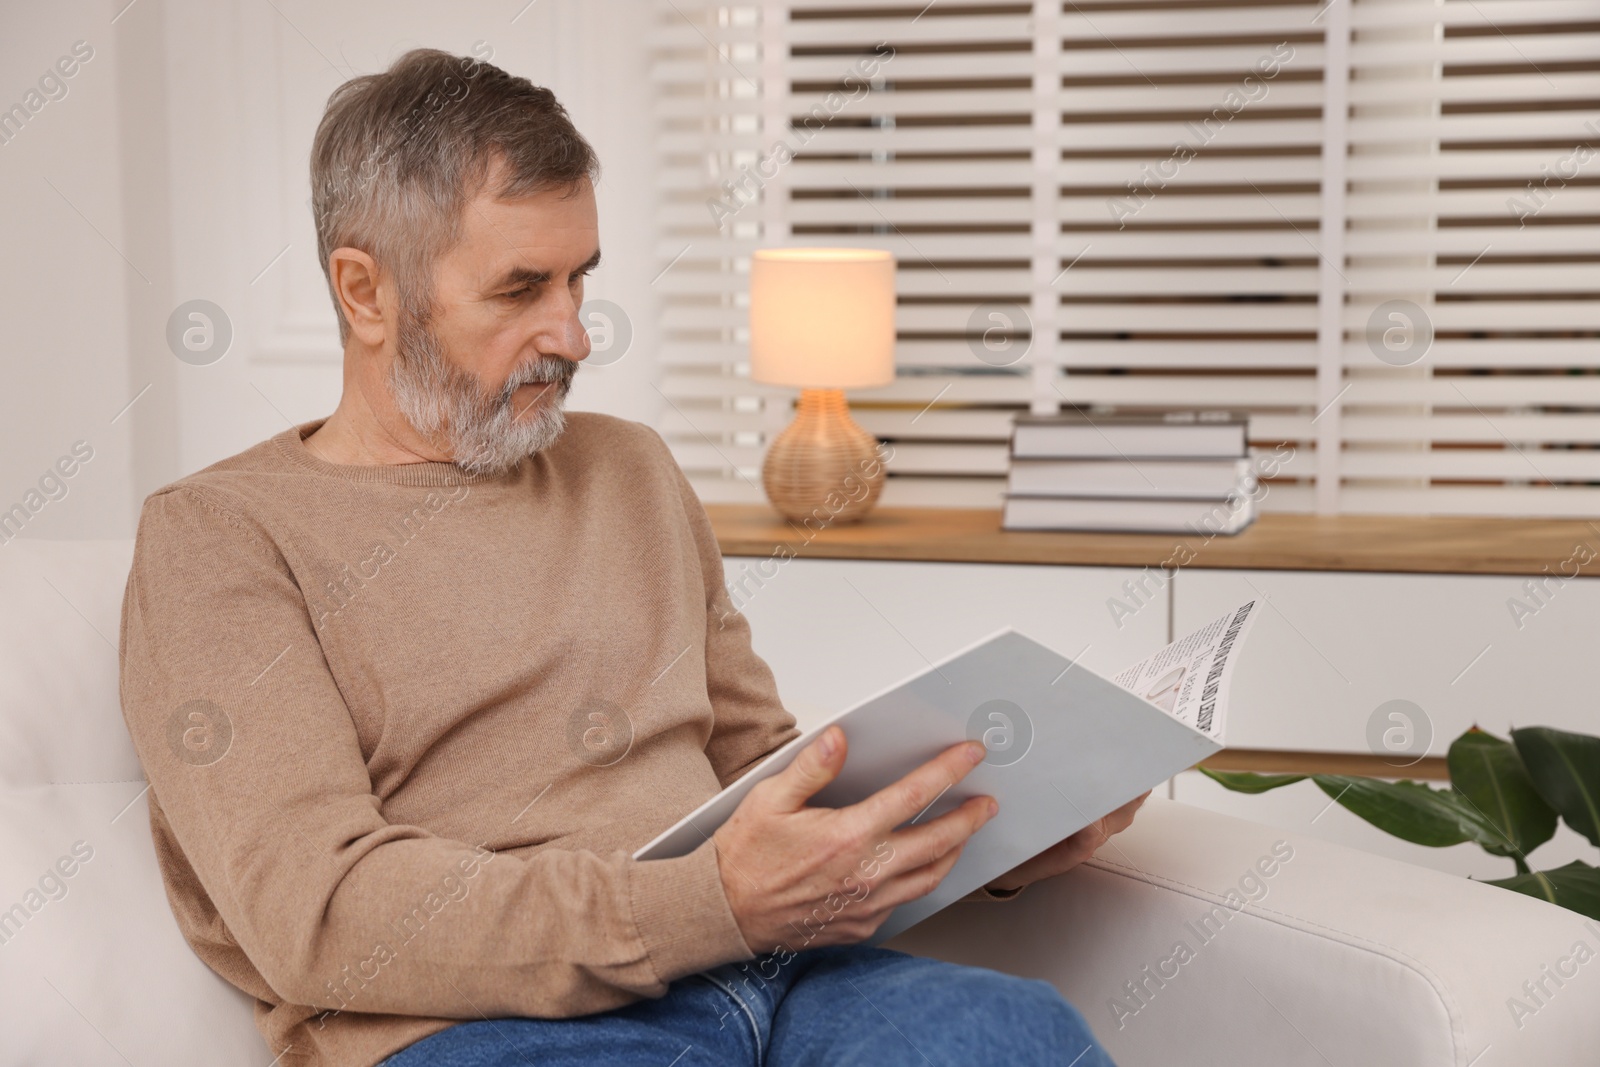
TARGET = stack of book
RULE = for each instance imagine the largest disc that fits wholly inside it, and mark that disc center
(1174, 473)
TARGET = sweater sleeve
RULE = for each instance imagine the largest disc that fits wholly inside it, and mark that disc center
(750, 719)
(256, 766)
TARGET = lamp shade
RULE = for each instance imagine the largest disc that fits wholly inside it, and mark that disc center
(822, 318)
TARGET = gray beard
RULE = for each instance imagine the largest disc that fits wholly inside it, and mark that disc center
(477, 429)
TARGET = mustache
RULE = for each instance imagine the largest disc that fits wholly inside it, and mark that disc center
(541, 371)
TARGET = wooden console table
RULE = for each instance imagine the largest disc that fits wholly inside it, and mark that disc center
(1378, 543)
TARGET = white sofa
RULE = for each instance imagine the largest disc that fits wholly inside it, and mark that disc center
(1342, 958)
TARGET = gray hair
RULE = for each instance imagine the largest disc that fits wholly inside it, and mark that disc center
(398, 155)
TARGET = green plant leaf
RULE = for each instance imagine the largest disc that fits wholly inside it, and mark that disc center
(1479, 827)
(1487, 772)
(1565, 769)
(1575, 887)
(1410, 810)
(1248, 782)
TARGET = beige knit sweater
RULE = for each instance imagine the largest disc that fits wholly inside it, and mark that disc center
(404, 726)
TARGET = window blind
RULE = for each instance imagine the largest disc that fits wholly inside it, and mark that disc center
(1473, 196)
(1367, 225)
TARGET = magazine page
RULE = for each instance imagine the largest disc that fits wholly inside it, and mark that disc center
(1189, 678)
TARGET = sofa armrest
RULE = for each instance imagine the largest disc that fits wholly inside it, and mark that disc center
(1195, 937)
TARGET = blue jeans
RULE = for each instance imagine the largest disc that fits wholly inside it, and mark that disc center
(841, 1006)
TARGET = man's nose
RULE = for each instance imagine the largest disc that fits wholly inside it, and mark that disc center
(570, 338)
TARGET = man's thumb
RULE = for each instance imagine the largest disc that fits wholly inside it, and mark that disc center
(817, 764)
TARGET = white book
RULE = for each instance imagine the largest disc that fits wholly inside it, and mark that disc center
(1128, 514)
(1067, 746)
(1197, 479)
(1220, 435)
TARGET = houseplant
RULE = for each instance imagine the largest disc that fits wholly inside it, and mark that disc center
(1505, 795)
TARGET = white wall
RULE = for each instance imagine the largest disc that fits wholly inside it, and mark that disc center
(183, 143)
(75, 276)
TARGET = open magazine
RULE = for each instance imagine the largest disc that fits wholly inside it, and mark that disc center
(1067, 745)
(1188, 679)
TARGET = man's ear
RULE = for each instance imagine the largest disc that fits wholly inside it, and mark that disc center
(356, 282)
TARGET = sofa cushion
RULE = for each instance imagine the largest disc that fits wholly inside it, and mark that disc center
(93, 969)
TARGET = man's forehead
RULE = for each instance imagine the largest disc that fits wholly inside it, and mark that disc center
(504, 242)
(575, 201)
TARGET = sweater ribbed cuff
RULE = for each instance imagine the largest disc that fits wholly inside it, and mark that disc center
(683, 916)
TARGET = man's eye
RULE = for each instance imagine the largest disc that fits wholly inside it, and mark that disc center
(581, 274)
(517, 293)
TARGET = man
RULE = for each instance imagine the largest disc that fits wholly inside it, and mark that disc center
(411, 682)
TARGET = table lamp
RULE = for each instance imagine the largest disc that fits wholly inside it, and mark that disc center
(822, 321)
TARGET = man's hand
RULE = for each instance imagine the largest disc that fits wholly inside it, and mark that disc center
(1066, 854)
(804, 877)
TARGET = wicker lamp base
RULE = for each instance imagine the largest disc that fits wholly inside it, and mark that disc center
(823, 466)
